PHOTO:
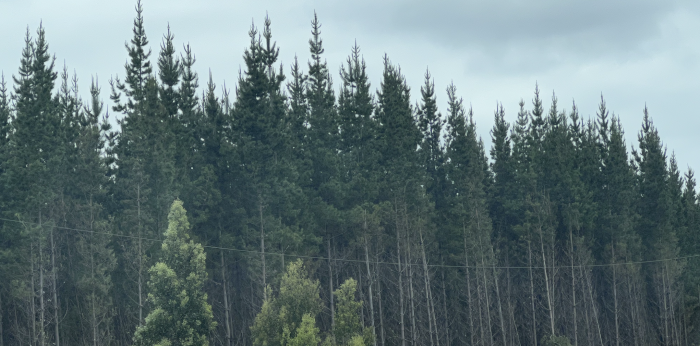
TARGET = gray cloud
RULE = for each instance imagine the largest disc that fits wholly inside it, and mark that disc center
(634, 52)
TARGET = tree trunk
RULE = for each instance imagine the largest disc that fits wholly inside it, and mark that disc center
(42, 307)
(369, 280)
(615, 305)
(664, 314)
(93, 302)
(54, 290)
(33, 296)
(550, 303)
(444, 307)
(573, 285)
(409, 264)
(398, 255)
(469, 289)
(2, 320)
(532, 294)
(140, 278)
(426, 273)
(633, 304)
(330, 286)
(379, 296)
(486, 296)
(595, 311)
(498, 296)
(227, 308)
(262, 247)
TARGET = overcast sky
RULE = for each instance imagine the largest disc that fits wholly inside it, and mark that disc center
(632, 52)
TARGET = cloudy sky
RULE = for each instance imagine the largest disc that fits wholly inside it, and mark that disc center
(632, 52)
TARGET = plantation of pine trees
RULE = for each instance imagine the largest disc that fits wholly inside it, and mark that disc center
(295, 211)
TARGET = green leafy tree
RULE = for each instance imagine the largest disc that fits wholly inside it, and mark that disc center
(288, 318)
(181, 314)
(348, 329)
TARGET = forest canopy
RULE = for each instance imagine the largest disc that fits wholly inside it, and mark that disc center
(322, 213)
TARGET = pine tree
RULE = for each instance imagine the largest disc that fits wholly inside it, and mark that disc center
(656, 231)
(430, 125)
(145, 183)
(169, 73)
(96, 256)
(398, 136)
(181, 314)
(137, 69)
(357, 132)
(5, 114)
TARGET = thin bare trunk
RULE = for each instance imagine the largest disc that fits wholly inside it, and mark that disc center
(595, 310)
(479, 291)
(616, 310)
(227, 308)
(432, 309)
(414, 335)
(33, 296)
(369, 280)
(2, 334)
(486, 295)
(633, 304)
(573, 285)
(93, 300)
(550, 303)
(54, 290)
(444, 309)
(514, 336)
(664, 313)
(666, 316)
(262, 247)
(469, 289)
(427, 295)
(42, 308)
(498, 298)
(398, 255)
(140, 278)
(379, 296)
(330, 284)
(532, 294)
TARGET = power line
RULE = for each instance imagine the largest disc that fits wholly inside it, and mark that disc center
(362, 261)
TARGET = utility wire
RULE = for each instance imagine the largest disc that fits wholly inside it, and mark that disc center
(362, 261)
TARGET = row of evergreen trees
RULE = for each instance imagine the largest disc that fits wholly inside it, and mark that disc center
(559, 234)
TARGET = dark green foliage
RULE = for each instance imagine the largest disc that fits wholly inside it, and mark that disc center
(398, 136)
(357, 144)
(559, 237)
(138, 69)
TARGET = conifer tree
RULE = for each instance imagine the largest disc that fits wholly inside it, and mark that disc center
(398, 136)
(145, 183)
(298, 111)
(5, 114)
(357, 143)
(181, 314)
(137, 69)
(658, 238)
(502, 193)
(96, 256)
(169, 73)
(322, 119)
